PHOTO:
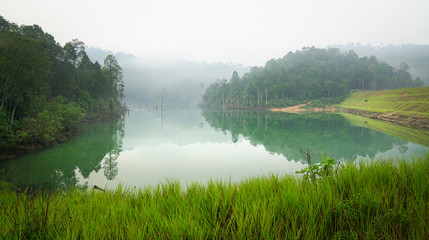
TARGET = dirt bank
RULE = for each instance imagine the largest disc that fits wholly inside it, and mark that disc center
(411, 120)
(300, 108)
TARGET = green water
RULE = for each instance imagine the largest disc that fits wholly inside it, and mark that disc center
(146, 148)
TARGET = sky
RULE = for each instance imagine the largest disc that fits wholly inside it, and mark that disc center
(249, 32)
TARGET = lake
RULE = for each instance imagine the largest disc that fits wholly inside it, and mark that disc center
(148, 147)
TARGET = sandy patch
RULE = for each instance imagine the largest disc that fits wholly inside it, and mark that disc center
(299, 108)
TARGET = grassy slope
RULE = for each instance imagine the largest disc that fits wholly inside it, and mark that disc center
(376, 200)
(405, 101)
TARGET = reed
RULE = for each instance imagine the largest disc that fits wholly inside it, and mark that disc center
(378, 199)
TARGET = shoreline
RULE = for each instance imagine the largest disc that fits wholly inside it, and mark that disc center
(61, 138)
(346, 203)
(412, 120)
(300, 108)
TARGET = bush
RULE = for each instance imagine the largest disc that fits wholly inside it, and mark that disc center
(56, 117)
(6, 132)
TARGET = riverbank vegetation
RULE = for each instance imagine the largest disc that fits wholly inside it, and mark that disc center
(405, 106)
(379, 199)
(324, 76)
(46, 89)
(405, 101)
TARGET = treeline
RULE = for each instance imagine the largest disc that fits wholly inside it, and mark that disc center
(46, 88)
(415, 55)
(326, 75)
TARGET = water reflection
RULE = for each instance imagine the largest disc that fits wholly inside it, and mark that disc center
(148, 147)
(56, 167)
(323, 133)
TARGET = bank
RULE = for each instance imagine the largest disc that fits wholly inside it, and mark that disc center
(57, 137)
(379, 199)
(406, 106)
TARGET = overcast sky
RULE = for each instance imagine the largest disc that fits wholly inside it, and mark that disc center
(249, 32)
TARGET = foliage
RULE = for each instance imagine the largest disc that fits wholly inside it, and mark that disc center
(111, 104)
(46, 89)
(371, 200)
(416, 56)
(54, 118)
(306, 75)
(318, 171)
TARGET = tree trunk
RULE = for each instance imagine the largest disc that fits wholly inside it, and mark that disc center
(258, 97)
(223, 99)
(13, 115)
(266, 96)
(2, 103)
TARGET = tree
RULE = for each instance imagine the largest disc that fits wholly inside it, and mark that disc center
(36, 76)
(74, 51)
(235, 88)
(24, 67)
(113, 74)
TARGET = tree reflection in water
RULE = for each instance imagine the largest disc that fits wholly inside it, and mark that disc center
(97, 146)
(110, 164)
(283, 133)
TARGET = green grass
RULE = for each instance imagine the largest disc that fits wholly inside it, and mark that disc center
(380, 199)
(405, 101)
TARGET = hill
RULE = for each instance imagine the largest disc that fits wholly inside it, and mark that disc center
(327, 75)
(405, 106)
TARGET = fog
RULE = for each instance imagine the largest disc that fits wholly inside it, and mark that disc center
(172, 84)
(248, 32)
(151, 82)
(415, 56)
(171, 51)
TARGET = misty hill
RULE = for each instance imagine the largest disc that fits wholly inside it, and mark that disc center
(416, 56)
(150, 82)
(309, 74)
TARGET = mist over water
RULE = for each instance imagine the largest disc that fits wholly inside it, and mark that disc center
(174, 84)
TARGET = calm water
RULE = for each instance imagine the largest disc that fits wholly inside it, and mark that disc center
(147, 148)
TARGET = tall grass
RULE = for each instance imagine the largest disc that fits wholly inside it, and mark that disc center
(371, 200)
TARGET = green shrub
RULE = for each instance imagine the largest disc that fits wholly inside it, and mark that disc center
(54, 118)
(111, 104)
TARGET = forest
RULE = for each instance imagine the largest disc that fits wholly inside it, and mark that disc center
(46, 89)
(416, 56)
(324, 76)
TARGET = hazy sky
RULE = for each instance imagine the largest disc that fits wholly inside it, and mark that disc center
(243, 31)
